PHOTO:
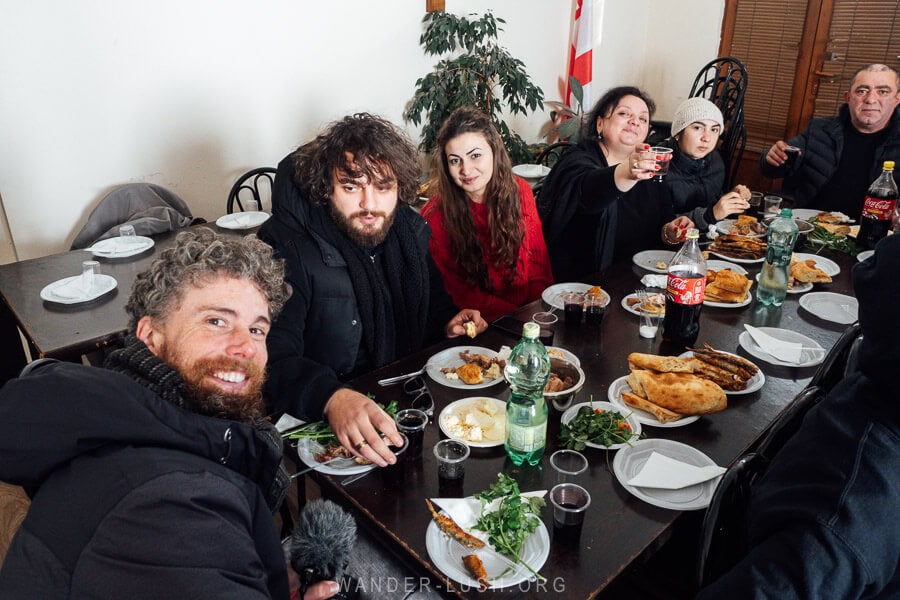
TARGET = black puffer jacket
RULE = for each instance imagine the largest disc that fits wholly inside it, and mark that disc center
(314, 344)
(820, 154)
(133, 497)
(696, 185)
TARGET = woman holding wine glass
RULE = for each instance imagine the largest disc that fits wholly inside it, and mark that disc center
(605, 202)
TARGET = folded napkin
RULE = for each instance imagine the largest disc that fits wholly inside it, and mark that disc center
(656, 281)
(74, 289)
(789, 352)
(666, 473)
(465, 511)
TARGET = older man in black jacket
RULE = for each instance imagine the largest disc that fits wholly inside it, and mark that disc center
(840, 156)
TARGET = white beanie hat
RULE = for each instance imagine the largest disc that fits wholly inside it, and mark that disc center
(693, 110)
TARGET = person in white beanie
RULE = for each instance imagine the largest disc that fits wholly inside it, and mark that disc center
(697, 173)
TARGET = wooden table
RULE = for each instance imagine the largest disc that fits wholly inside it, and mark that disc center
(619, 528)
(68, 331)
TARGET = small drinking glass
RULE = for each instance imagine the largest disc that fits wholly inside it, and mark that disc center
(451, 455)
(755, 200)
(573, 307)
(792, 153)
(568, 465)
(663, 157)
(547, 321)
(594, 309)
(412, 422)
(126, 231)
(89, 270)
(772, 205)
(570, 502)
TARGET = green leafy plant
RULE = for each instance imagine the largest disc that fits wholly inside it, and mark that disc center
(478, 72)
(565, 120)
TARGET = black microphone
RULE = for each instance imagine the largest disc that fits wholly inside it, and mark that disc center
(321, 545)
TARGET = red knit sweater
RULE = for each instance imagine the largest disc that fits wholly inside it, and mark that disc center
(533, 273)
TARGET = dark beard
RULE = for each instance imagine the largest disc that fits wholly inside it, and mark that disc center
(213, 402)
(363, 238)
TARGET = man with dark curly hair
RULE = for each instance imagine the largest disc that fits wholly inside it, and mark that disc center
(156, 477)
(366, 290)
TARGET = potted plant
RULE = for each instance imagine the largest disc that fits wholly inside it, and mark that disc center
(565, 121)
(476, 71)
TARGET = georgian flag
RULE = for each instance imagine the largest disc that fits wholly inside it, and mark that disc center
(580, 53)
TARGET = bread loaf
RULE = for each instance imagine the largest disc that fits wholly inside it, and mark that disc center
(663, 415)
(683, 393)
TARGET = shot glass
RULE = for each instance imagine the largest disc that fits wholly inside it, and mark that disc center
(412, 422)
(568, 464)
(570, 503)
(755, 201)
(649, 325)
(547, 321)
(792, 153)
(663, 158)
(89, 270)
(451, 456)
(772, 206)
(573, 308)
(126, 231)
(594, 310)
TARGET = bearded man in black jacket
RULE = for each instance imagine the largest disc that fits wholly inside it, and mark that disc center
(157, 477)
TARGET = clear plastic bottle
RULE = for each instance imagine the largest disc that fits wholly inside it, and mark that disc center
(685, 290)
(527, 371)
(878, 209)
(775, 275)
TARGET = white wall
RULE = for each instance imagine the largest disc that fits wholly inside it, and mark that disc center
(188, 95)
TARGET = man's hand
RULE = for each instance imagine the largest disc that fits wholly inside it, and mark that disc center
(729, 204)
(354, 419)
(318, 591)
(776, 156)
(456, 326)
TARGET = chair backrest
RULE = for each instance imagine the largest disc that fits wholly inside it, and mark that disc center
(549, 156)
(255, 184)
(836, 362)
(723, 535)
(723, 82)
(788, 422)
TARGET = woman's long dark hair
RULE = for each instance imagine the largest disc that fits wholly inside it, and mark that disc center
(607, 103)
(501, 196)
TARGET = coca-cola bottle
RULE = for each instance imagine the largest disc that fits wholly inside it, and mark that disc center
(878, 208)
(685, 290)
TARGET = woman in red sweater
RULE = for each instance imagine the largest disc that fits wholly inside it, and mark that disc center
(486, 234)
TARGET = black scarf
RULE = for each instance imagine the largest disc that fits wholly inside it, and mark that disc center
(393, 312)
(136, 361)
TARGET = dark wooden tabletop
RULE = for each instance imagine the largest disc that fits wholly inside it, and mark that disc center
(67, 331)
(619, 528)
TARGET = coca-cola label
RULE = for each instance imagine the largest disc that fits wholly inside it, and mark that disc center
(686, 290)
(878, 209)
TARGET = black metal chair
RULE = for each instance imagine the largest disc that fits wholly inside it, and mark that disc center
(837, 364)
(256, 185)
(723, 82)
(724, 537)
(549, 156)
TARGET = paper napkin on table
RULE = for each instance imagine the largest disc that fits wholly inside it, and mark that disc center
(663, 472)
(72, 290)
(465, 511)
(656, 281)
(784, 351)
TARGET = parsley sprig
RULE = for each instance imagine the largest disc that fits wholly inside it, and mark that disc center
(514, 519)
(321, 432)
(825, 239)
(602, 427)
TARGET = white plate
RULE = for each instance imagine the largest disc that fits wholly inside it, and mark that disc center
(103, 284)
(528, 171)
(308, 456)
(628, 413)
(614, 393)
(557, 352)
(447, 554)
(797, 288)
(808, 213)
(864, 255)
(551, 295)
(717, 265)
(455, 407)
(836, 308)
(828, 266)
(725, 225)
(743, 261)
(115, 247)
(450, 358)
(629, 461)
(747, 299)
(753, 384)
(648, 259)
(632, 310)
(243, 220)
(811, 355)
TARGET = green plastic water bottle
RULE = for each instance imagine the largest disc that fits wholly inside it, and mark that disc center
(527, 371)
(776, 271)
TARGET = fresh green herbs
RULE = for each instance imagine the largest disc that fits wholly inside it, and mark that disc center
(321, 432)
(602, 427)
(510, 521)
(825, 239)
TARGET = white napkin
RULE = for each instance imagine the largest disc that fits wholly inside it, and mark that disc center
(74, 289)
(663, 472)
(656, 281)
(465, 511)
(784, 351)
